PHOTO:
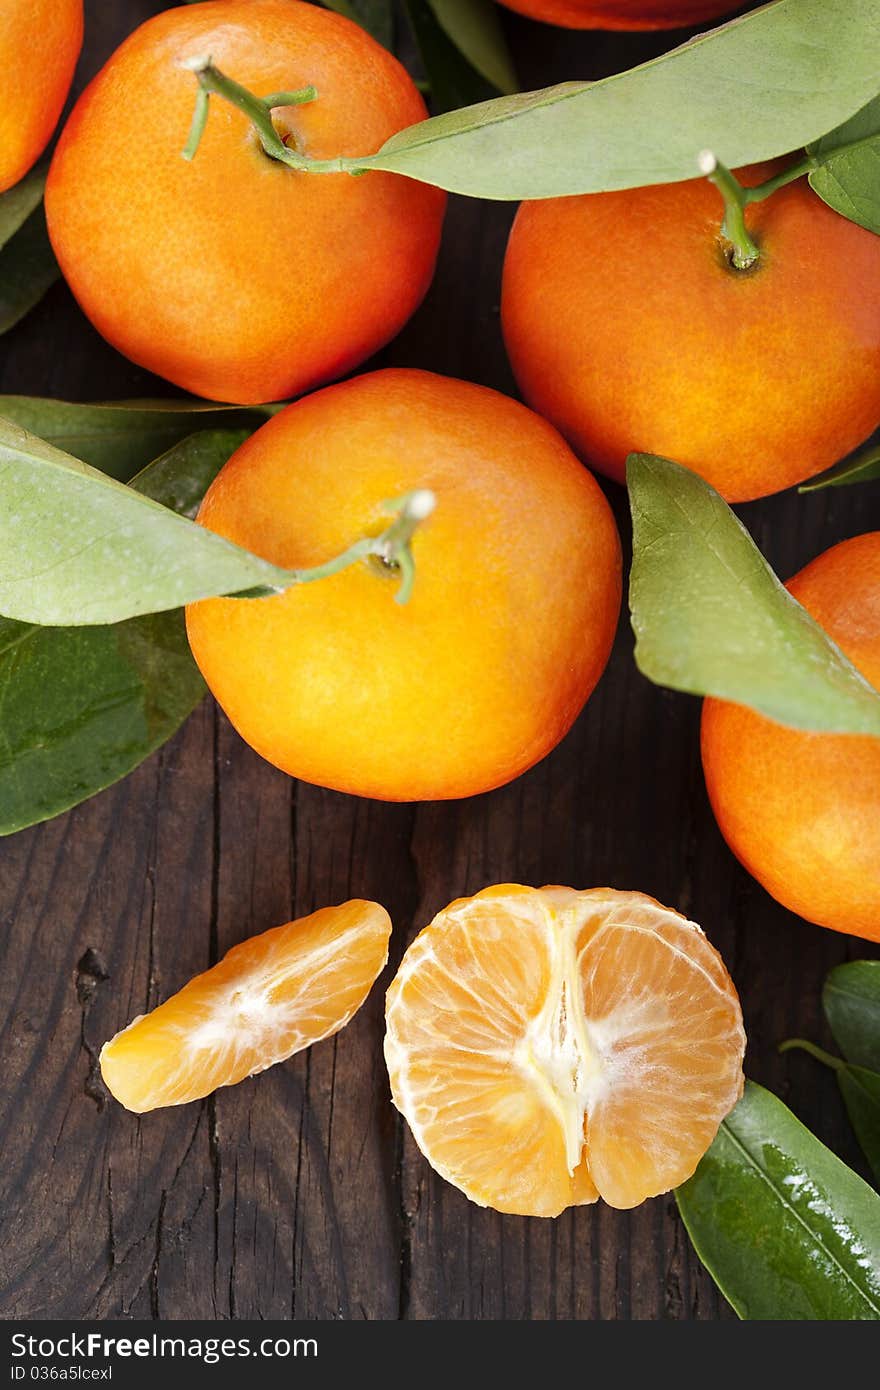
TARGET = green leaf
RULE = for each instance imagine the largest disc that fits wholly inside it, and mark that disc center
(27, 263)
(849, 177)
(786, 1229)
(860, 1089)
(851, 1000)
(77, 547)
(121, 437)
(864, 468)
(757, 87)
(711, 618)
(452, 79)
(376, 16)
(474, 26)
(82, 707)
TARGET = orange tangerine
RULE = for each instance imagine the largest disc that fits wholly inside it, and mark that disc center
(40, 42)
(512, 614)
(621, 14)
(269, 997)
(548, 1047)
(801, 809)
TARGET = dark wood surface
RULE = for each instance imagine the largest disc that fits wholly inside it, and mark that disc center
(299, 1193)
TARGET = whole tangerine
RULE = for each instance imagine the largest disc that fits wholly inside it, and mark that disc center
(629, 328)
(621, 14)
(40, 41)
(801, 810)
(234, 275)
(513, 608)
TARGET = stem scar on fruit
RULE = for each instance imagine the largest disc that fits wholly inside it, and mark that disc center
(258, 111)
(390, 552)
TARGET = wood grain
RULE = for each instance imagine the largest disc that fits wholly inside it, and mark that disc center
(299, 1193)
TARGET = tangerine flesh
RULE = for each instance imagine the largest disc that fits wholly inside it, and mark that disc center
(548, 1047)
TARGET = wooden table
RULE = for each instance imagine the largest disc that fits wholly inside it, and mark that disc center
(300, 1193)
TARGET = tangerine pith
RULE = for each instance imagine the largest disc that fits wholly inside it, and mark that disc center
(233, 275)
(628, 328)
(512, 614)
(799, 809)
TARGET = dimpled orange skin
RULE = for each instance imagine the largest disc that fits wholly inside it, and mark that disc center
(621, 14)
(512, 615)
(627, 328)
(235, 276)
(801, 811)
(40, 42)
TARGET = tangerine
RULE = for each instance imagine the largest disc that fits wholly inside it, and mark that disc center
(628, 327)
(512, 616)
(621, 14)
(233, 275)
(799, 809)
(548, 1047)
(40, 41)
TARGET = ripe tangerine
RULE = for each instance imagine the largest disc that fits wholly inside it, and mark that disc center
(233, 275)
(512, 616)
(801, 810)
(621, 14)
(629, 329)
(40, 42)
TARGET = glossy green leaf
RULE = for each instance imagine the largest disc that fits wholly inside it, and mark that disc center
(376, 16)
(860, 1089)
(851, 1000)
(451, 78)
(814, 63)
(82, 707)
(27, 263)
(849, 177)
(711, 617)
(787, 1231)
(121, 437)
(863, 468)
(474, 26)
(77, 547)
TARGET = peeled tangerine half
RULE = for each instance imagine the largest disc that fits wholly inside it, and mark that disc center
(266, 999)
(548, 1047)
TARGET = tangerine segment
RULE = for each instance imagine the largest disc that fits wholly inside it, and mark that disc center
(269, 997)
(548, 1046)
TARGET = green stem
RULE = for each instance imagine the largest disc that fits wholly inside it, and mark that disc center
(836, 1063)
(760, 191)
(392, 548)
(212, 82)
(745, 252)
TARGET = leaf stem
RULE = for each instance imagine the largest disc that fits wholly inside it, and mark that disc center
(760, 191)
(835, 1063)
(745, 253)
(392, 548)
(213, 82)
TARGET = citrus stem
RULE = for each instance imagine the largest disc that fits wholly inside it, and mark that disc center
(745, 252)
(212, 82)
(836, 1063)
(392, 547)
(760, 191)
